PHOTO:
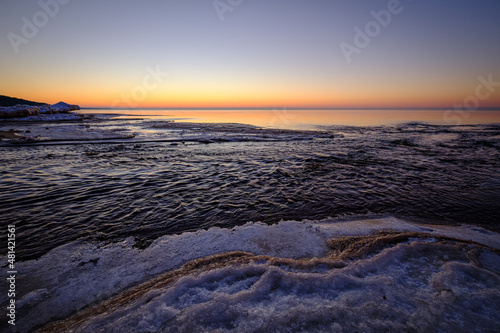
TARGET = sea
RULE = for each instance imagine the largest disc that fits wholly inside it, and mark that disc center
(213, 226)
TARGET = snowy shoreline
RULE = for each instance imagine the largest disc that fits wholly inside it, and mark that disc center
(31, 112)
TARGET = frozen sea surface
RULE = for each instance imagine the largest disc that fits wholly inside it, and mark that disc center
(311, 276)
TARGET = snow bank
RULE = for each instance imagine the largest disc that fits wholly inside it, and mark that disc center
(22, 110)
(19, 110)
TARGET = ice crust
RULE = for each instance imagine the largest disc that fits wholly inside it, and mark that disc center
(43, 128)
(51, 117)
(420, 284)
(62, 133)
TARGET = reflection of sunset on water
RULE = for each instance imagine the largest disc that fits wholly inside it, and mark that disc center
(308, 119)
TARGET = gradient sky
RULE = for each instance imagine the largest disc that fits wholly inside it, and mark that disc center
(264, 53)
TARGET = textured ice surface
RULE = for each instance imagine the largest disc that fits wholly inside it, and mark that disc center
(51, 117)
(44, 116)
(44, 127)
(62, 132)
(371, 275)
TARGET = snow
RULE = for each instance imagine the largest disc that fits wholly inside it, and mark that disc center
(19, 110)
(286, 279)
(51, 117)
(28, 111)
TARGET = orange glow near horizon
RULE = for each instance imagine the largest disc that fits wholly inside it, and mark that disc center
(256, 101)
(111, 94)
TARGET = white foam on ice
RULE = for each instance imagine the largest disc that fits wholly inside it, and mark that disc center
(414, 285)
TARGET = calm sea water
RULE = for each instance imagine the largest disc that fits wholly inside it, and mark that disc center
(432, 171)
(311, 119)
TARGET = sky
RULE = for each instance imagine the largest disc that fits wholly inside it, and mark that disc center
(252, 53)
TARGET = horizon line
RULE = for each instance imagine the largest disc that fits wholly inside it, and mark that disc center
(293, 108)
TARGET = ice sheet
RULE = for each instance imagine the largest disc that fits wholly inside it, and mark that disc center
(293, 275)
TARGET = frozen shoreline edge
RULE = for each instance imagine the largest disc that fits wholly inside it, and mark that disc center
(97, 131)
(89, 272)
